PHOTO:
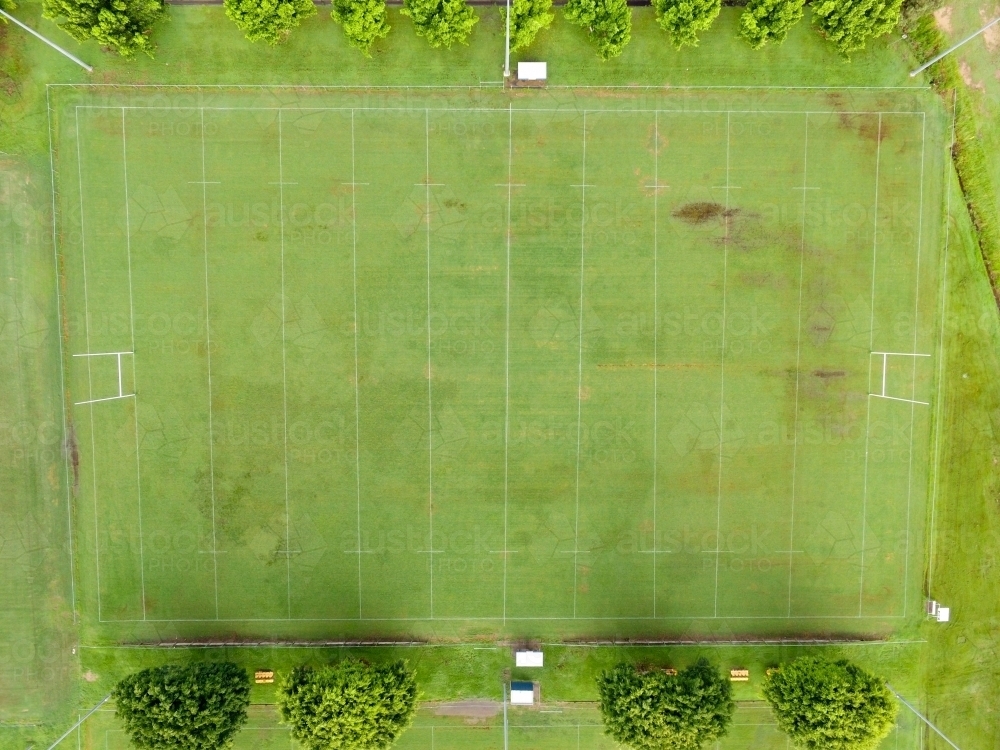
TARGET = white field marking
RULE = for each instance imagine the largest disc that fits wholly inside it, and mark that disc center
(62, 363)
(208, 356)
(855, 618)
(101, 354)
(99, 400)
(135, 403)
(90, 381)
(722, 379)
(579, 381)
(902, 354)
(357, 385)
(284, 374)
(656, 368)
(871, 345)
(896, 398)
(798, 360)
(506, 361)
(939, 401)
(430, 371)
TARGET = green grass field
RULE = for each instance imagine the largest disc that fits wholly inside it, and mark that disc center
(568, 361)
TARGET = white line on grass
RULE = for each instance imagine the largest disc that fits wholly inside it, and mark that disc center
(871, 345)
(468, 87)
(798, 360)
(430, 372)
(722, 379)
(520, 619)
(357, 385)
(506, 362)
(284, 375)
(656, 202)
(579, 381)
(135, 402)
(208, 356)
(90, 379)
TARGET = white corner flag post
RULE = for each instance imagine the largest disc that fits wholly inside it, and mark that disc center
(951, 49)
(53, 45)
(506, 49)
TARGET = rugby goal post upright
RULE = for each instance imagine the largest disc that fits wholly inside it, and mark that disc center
(506, 45)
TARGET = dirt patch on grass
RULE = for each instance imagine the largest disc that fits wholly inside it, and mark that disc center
(992, 35)
(701, 212)
(829, 373)
(471, 709)
(942, 18)
(965, 71)
(867, 127)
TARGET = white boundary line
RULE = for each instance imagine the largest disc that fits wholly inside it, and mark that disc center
(579, 380)
(362, 87)
(284, 371)
(780, 618)
(722, 381)
(798, 367)
(208, 357)
(871, 345)
(357, 383)
(656, 259)
(506, 362)
(430, 371)
(135, 400)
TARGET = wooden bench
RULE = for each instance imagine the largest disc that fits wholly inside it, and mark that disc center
(263, 676)
(739, 675)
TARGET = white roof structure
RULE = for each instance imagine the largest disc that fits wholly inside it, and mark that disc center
(943, 614)
(522, 693)
(532, 71)
(528, 658)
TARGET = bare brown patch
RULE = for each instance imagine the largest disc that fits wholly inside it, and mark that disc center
(90, 676)
(73, 453)
(472, 709)
(700, 212)
(942, 18)
(829, 373)
(965, 71)
(585, 393)
(992, 35)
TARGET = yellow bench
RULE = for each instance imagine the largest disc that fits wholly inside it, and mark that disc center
(739, 675)
(263, 676)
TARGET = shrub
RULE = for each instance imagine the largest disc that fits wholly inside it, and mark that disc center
(350, 706)
(197, 707)
(766, 21)
(655, 710)
(364, 22)
(849, 24)
(119, 25)
(527, 18)
(684, 19)
(268, 21)
(609, 23)
(830, 705)
(441, 22)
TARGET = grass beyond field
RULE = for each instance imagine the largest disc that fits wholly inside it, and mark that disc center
(574, 362)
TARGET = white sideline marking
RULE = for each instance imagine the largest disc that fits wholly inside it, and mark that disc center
(99, 400)
(101, 354)
(357, 385)
(284, 377)
(656, 206)
(896, 398)
(430, 371)
(506, 361)
(579, 382)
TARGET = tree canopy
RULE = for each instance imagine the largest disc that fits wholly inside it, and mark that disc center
(766, 21)
(527, 18)
(850, 24)
(655, 710)
(608, 22)
(268, 21)
(830, 705)
(683, 20)
(119, 25)
(441, 22)
(349, 706)
(196, 707)
(364, 21)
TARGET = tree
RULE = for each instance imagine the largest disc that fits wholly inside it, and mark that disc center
(830, 705)
(349, 706)
(364, 22)
(655, 710)
(849, 24)
(7, 5)
(684, 19)
(120, 25)
(609, 23)
(766, 21)
(442, 22)
(268, 21)
(527, 18)
(196, 707)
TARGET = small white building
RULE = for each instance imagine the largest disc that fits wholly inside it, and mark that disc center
(522, 693)
(532, 71)
(528, 658)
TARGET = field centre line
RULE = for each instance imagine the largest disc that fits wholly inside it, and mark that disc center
(430, 372)
(656, 205)
(506, 362)
(135, 399)
(62, 364)
(871, 345)
(357, 384)
(798, 366)
(208, 356)
(284, 372)
(722, 377)
(90, 379)
(579, 381)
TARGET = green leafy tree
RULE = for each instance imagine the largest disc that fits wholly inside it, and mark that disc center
(830, 705)
(849, 24)
(441, 22)
(654, 710)
(364, 21)
(268, 21)
(609, 23)
(766, 21)
(527, 18)
(684, 19)
(8, 5)
(349, 706)
(119, 25)
(196, 707)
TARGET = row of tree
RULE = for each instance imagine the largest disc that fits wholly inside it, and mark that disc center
(353, 705)
(124, 26)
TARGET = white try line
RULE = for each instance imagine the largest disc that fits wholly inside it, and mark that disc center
(656, 201)
(357, 385)
(430, 370)
(579, 380)
(506, 360)
(284, 369)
